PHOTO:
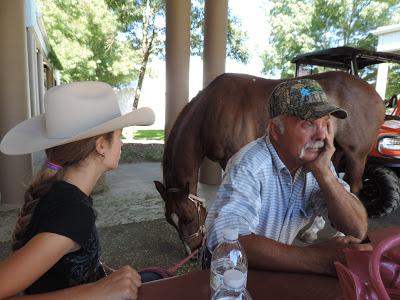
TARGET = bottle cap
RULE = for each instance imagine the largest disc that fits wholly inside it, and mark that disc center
(231, 234)
(234, 278)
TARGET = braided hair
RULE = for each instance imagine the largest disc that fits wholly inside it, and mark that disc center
(64, 155)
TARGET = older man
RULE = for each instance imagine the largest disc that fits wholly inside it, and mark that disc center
(276, 184)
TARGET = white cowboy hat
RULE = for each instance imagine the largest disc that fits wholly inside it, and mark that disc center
(74, 112)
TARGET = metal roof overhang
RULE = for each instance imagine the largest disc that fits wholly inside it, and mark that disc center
(341, 57)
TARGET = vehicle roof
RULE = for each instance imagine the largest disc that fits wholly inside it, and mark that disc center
(340, 57)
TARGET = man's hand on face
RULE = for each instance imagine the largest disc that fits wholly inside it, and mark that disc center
(320, 165)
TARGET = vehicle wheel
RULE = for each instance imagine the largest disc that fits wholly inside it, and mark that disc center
(380, 193)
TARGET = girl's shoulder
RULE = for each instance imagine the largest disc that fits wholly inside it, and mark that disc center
(65, 198)
(62, 191)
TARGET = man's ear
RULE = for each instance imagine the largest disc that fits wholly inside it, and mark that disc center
(274, 131)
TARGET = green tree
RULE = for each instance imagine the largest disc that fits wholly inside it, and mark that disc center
(290, 35)
(300, 26)
(393, 83)
(140, 21)
(236, 37)
(393, 87)
(84, 37)
(143, 22)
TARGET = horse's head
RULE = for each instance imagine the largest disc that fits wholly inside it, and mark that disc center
(186, 212)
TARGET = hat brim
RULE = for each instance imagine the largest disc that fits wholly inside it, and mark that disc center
(318, 110)
(30, 135)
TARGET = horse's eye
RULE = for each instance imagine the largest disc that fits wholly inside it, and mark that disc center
(187, 221)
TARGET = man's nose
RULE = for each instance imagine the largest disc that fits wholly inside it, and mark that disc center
(320, 132)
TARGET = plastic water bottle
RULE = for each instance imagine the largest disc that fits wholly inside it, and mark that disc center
(233, 287)
(229, 254)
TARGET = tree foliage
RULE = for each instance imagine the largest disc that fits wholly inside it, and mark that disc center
(113, 40)
(143, 21)
(300, 26)
(393, 87)
(83, 35)
(140, 21)
(236, 37)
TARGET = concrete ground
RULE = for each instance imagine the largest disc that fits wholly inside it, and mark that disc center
(131, 222)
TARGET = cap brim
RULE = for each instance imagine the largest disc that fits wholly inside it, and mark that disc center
(318, 110)
(30, 135)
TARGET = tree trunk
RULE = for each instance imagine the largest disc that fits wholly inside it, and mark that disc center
(146, 48)
(142, 72)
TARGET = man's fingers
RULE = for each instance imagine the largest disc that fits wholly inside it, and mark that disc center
(354, 243)
(330, 132)
(352, 240)
(361, 247)
(348, 239)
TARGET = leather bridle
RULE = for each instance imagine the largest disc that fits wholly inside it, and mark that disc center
(198, 203)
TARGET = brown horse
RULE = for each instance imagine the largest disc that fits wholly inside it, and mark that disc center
(229, 113)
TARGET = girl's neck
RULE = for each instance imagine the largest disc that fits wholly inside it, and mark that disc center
(83, 177)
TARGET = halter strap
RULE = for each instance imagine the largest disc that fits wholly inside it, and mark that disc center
(194, 197)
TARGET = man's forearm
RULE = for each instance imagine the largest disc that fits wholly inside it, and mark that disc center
(264, 253)
(345, 210)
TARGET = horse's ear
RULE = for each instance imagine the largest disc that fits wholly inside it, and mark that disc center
(160, 188)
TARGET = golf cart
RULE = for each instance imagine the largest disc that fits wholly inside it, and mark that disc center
(381, 184)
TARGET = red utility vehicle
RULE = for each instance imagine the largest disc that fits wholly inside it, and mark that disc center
(381, 184)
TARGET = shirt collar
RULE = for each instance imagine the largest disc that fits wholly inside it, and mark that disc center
(277, 162)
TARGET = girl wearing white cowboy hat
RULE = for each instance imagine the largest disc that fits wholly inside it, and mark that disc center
(55, 245)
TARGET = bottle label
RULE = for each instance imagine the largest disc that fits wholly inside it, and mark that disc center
(216, 280)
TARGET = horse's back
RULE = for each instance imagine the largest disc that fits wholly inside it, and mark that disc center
(234, 110)
(235, 113)
(364, 106)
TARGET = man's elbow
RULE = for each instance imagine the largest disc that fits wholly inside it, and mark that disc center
(361, 230)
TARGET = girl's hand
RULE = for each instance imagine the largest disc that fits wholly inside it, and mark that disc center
(121, 284)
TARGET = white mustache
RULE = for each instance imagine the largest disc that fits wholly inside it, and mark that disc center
(311, 145)
(314, 145)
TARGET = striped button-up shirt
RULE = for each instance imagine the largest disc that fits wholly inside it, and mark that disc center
(258, 195)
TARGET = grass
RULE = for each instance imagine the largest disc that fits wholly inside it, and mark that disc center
(149, 134)
(141, 152)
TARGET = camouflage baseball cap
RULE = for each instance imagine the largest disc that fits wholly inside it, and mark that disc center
(303, 98)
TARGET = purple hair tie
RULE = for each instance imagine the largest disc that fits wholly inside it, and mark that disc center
(53, 166)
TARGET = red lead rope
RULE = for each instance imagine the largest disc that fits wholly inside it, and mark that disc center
(182, 262)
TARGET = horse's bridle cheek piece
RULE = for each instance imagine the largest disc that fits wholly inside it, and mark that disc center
(198, 203)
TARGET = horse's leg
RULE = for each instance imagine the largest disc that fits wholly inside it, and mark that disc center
(355, 164)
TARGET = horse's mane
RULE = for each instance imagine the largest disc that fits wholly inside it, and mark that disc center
(192, 112)
(175, 133)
